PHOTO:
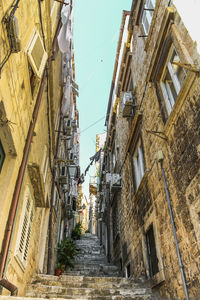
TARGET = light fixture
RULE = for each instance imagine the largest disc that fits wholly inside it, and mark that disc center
(72, 169)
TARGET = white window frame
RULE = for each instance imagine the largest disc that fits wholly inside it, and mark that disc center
(45, 164)
(29, 48)
(138, 163)
(24, 232)
(148, 15)
(165, 87)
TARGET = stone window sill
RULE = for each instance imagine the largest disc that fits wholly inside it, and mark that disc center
(157, 279)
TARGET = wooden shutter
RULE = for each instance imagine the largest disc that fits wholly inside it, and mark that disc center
(25, 232)
(37, 55)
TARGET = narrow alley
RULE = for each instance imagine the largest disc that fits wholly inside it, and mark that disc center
(99, 149)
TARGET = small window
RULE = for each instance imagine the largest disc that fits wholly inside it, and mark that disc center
(151, 252)
(128, 271)
(138, 164)
(37, 56)
(74, 205)
(147, 15)
(69, 200)
(172, 79)
(2, 156)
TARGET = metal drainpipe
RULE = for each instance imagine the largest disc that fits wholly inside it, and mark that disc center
(174, 232)
(13, 208)
(18, 185)
(108, 211)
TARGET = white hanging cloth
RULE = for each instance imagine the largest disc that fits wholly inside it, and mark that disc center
(64, 36)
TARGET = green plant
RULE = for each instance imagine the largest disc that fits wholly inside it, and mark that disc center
(66, 251)
(87, 231)
(76, 232)
(60, 266)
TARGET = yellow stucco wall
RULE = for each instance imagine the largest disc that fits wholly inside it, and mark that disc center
(17, 99)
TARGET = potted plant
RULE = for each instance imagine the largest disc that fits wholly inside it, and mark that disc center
(59, 269)
(76, 232)
(66, 251)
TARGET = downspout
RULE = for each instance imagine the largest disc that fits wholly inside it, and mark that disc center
(18, 185)
(108, 209)
(12, 213)
(52, 199)
(174, 230)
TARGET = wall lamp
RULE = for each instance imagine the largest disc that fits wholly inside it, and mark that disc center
(72, 169)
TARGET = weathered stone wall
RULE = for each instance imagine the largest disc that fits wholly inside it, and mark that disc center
(178, 137)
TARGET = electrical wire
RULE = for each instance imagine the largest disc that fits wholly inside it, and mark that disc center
(6, 58)
(93, 124)
(48, 106)
(14, 8)
(11, 15)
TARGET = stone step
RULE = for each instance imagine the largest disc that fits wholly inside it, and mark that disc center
(61, 292)
(91, 278)
(86, 282)
(146, 297)
(91, 258)
(81, 266)
(84, 250)
(92, 273)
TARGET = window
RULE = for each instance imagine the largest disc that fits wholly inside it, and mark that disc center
(148, 14)
(151, 252)
(128, 271)
(37, 56)
(33, 79)
(172, 79)
(2, 155)
(25, 230)
(138, 163)
(128, 81)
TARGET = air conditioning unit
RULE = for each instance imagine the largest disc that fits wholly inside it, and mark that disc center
(65, 188)
(63, 179)
(67, 129)
(68, 144)
(116, 182)
(108, 178)
(73, 123)
(13, 34)
(128, 104)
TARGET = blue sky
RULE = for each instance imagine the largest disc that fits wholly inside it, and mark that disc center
(96, 31)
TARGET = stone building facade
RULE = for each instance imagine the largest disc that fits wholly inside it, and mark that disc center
(34, 106)
(150, 175)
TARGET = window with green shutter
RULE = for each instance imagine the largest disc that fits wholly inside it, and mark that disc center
(2, 155)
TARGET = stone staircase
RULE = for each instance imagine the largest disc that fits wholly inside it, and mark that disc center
(91, 260)
(92, 278)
